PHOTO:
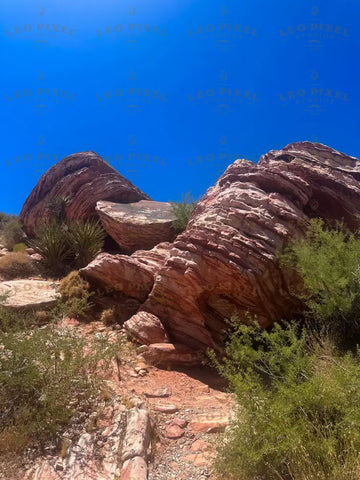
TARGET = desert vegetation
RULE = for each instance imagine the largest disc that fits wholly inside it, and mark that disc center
(10, 231)
(47, 376)
(66, 245)
(297, 385)
(182, 211)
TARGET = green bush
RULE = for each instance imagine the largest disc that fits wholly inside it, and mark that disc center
(19, 247)
(63, 246)
(86, 239)
(17, 265)
(298, 415)
(46, 379)
(182, 211)
(328, 261)
(11, 232)
(51, 242)
(75, 295)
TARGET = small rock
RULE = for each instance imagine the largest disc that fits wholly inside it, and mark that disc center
(165, 408)
(199, 445)
(205, 423)
(173, 431)
(134, 469)
(160, 393)
(181, 422)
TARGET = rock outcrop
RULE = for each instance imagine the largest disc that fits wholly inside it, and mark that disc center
(29, 294)
(225, 260)
(137, 226)
(83, 177)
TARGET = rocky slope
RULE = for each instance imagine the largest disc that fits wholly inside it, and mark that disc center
(84, 177)
(224, 262)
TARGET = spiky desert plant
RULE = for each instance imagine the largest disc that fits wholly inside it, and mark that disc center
(52, 243)
(86, 239)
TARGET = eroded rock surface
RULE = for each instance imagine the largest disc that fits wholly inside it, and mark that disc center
(137, 226)
(84, 177)
(29, 294)
(225, 261)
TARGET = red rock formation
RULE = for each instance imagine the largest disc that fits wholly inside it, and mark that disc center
(137, 226)
(84, 177)
(224, 262)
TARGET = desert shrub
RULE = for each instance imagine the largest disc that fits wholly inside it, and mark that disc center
(108, 316)
(19, 247)
(17, 265)
(298, 415)
(75, 296)
(182, 211)
(56, 208)
(63, 246)
(51, 242)
(328, 260)
(86, 239)
(46, 381)
(11, 232)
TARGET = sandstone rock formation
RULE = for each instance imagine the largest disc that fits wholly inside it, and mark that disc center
(84, 177)
(29, 294)
(224, 262)
(137, 226)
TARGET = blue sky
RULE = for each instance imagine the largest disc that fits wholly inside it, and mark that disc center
(171, 92)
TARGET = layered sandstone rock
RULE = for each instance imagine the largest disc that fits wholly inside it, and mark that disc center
(137, 226)
(225, 261)
(85, 178)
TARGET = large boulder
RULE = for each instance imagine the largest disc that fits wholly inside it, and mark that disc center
(137, 226)
(225, 260)
(84, 177)
(29, 294)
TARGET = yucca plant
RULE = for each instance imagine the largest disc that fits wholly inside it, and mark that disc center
(52, 243)
(86, 239)
(56, 206)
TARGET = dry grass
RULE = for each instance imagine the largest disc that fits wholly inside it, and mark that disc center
(17, 265)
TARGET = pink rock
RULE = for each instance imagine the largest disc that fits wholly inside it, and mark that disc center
(134, 469)
(199, 445)
(225, 263)
(209, 423)
(166, 354)
(181, 422)
(165, 408)
(137, 226)
(173, 431)
(146, 328)
(84, 177)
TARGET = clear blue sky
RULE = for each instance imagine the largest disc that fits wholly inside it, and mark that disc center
(170, 92)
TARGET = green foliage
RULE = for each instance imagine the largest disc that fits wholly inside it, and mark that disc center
(328, 261)
(182, 211)
(46, 379)
(86, 239)
(17, 265)
(75, 295)
(65, 246)
(10, 231)
(298, 415)
(19, 247)
(51, 242)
